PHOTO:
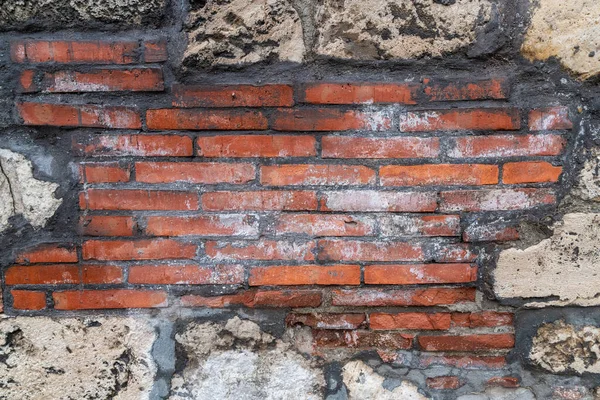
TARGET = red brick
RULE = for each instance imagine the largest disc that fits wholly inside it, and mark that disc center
(28, 300)
(101, 274)
(485, 319)
(42, 274)
(330, 120)
(420, 274)
(464, 362)
(408, 320)
(391, 147)
(354, 250)
(492, 89)
(325, 224)
(504, 381)
(260, 201)
(530, 172)
(197, 119)
(27, 82)
(194, 172)
(438, 174)
(416, 225)
(305, 275)
(493, 119)
(261, 250)
(495, 200)
(203, 225)
(551, 118)
(108, 199)
(137, 250)
(48, 253)
(186, 274)
(155, 51)
(360, 93)
(104, 173)
(109, 299)
(233, 96)
(507, 146)
(371, 200)
(327, 321)
(455, 253)
(403, 297)
(133, 145)
(253, 298)
(467, 342)
(362, 339)
(103, 225)
(490, 233)
(92, 52)
(308, 174)
(90, 116)
(238, 146)
(444, 383)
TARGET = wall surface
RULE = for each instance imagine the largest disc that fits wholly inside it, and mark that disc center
(257, 199)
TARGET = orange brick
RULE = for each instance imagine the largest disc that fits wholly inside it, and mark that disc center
(101, 274)
(354, 250)
(307, 174)
(419, 274)
(467, 342)
(327, 321)
(325, 224)
(28, 300)
(305, 275)
(330, 120)
(260, 298)
(196, 119)
(492, 89)
(109, 299)
(360, 93)
(186, 274)
(104, 225)
(203, 225)
(493, 119)
(155, 51)
(407, 320)
(444, 382)
(261, 250)
(194, 172)
(260, 201)
(137, 250)
(48, 253)
(507, 146)
(392, 147)
(551, 118)
(42, 274)
(103, 80)
(133, 145)
(233, 96)
(530, 172)
(108, 199)
(237, 146)
(104, 173)
(92, 52)
(419, 225)
(438, 174)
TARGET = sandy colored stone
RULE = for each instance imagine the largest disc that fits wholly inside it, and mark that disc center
(229, 32)
(364, 383)
(564, 265)
(559, 347)
(588, 185)
(568, 31)
(22, 193)
(397, 29)
(237, 360)
(92, 358)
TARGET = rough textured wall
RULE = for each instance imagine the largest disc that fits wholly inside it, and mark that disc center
(262, 199)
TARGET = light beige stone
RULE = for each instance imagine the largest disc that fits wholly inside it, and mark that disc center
(500, 393)
(588, 186)
(560, 347)
(564, 265)
(229, 32)
(97, 358)
(396, 29)
(568, 31)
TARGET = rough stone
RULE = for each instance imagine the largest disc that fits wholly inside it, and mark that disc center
(498, 393)
(237, 360)
(95, 358)
(397, 29)
(22, 193)
(229, 32)
(362, 382)
(21, 14)
(564, 265)
(588, 185)
(568, 31)
(559, 347)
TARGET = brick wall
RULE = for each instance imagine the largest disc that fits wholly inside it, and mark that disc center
(363, 208)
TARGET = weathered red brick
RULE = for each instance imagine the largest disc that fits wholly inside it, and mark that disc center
(310, 174)
(237, 146)
(42, 274)
(48, 253)
(495, 200)
(444, 382)
(362, 339)
(327, 321)
(487, 319)
(491, 89)
(420, 274)
(260, 201)
(402, 297)
(194, 172)
(391, 147)
(455, 253)
(261, 250)
(490, 232)
(260, 298)
(507, 146)
(155, 51)
(108, 299)
(410, 320)
(354, 250)
(28, 300)
(305, 275)
(330, 120)
(198, 119)
(467, 342)
(359, 93)
(417, 225)
(101, 274)
(551, 118)
(27, 82)
(325, 224)
(493, 119)
(438, 174)
(110, 199)
(464, 362)
(91, 52)
(137, 249)
(104, 173)
(186, 274)
(371, 200)
(504, 381)
(203, 225)
(530, 172)
(133, 145)
(233, 96)
(107, 225)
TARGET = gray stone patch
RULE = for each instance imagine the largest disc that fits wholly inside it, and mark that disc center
(95, 358)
